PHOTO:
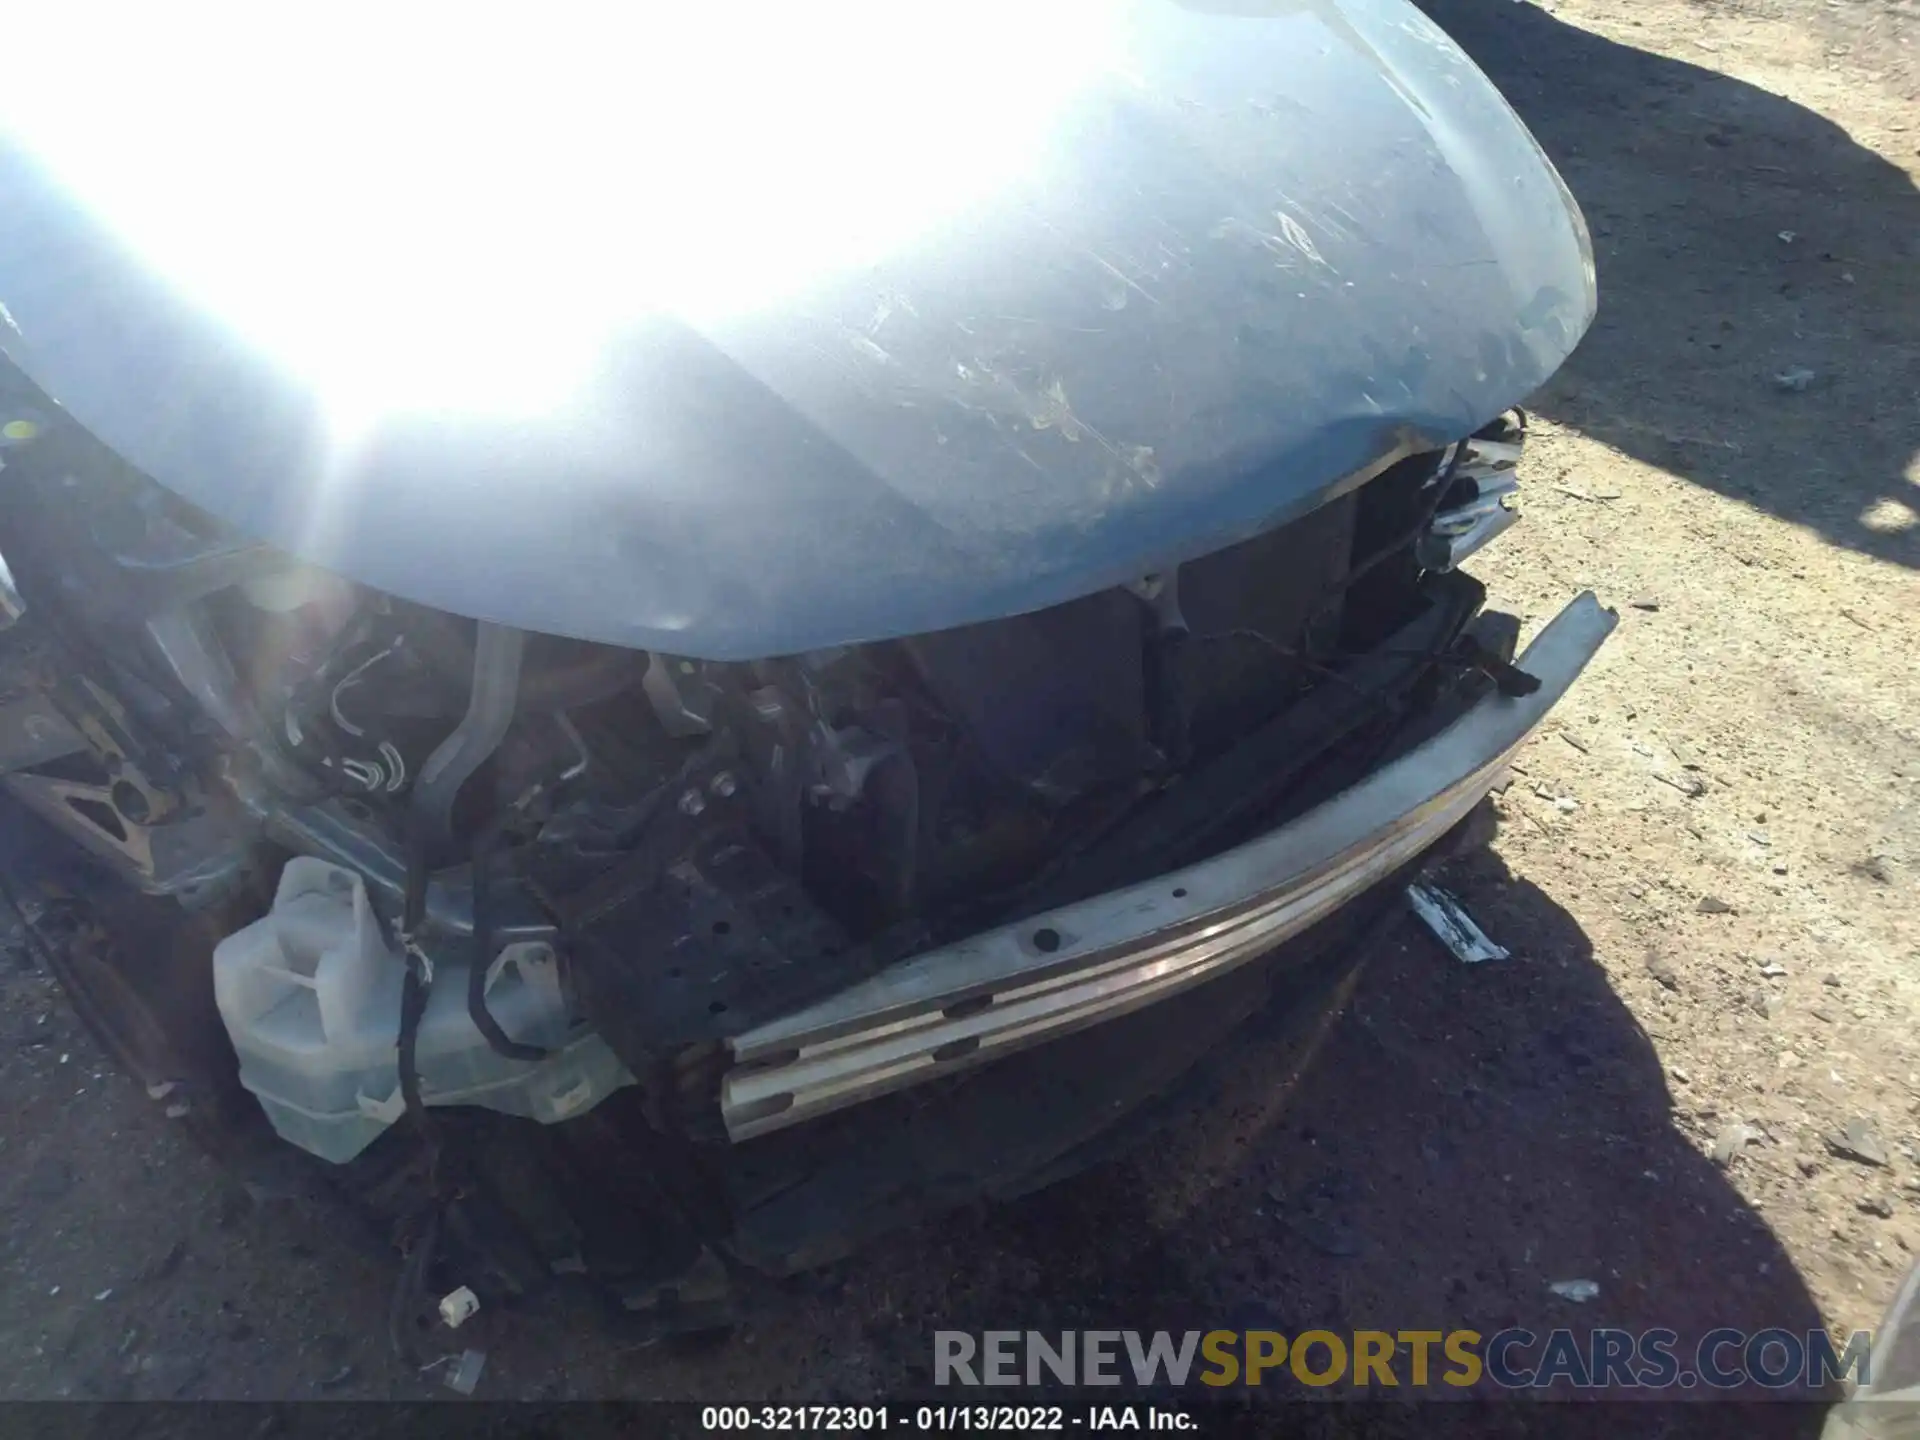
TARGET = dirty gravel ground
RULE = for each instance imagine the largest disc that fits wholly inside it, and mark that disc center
(1707, 870)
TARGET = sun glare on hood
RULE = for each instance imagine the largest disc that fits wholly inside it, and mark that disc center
(430, 209)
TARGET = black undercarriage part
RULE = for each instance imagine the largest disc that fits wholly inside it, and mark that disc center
(696, 935)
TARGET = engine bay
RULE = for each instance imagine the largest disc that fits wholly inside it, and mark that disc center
(556, 868)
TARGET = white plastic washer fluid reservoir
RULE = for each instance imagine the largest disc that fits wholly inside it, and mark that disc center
(310, 994)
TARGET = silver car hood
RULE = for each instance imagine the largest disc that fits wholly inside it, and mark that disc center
(1247, 255)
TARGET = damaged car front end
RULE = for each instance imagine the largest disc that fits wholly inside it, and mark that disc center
(857, 745)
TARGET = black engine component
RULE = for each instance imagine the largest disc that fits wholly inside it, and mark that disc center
(1056, 700)
(1255, 618)
(1259, 782)
(697, 934)
(716, 943)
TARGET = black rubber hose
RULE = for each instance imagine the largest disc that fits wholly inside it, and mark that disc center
(410, 1285)
(410, 1288)
(415, 987)
(484, 846)
(413, 1005)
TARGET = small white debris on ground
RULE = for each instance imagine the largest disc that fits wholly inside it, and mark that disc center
(1578, 1291)
(458, 1306)
(465, 1374)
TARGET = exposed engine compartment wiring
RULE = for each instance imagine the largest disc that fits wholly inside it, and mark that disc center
(352, 678)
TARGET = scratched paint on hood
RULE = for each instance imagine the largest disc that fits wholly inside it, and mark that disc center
(1248, 254)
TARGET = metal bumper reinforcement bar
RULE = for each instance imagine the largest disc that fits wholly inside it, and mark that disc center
(983, 997)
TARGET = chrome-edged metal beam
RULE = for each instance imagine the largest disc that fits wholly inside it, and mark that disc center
(978, 999)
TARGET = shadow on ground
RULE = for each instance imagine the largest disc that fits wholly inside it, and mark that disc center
(1688, 179)
(1466, 1136)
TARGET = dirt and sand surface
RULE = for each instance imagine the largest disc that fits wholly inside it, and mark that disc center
(1708, 872)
